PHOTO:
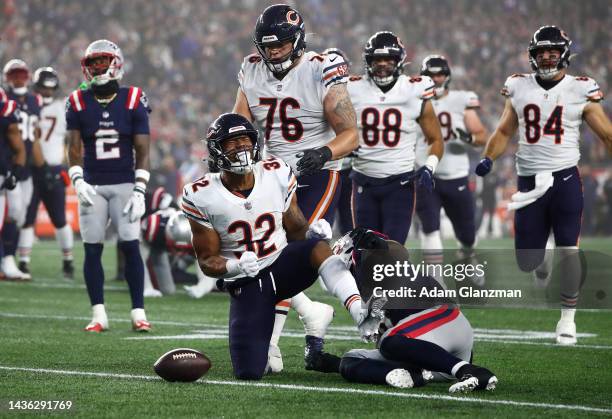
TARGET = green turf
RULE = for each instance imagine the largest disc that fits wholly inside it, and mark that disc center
(41, 327)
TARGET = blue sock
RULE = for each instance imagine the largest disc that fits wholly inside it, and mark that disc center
(93, 272)
(10, 237)
(134, 272)
(420, 353)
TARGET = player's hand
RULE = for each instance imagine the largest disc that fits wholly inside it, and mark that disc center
(135, 207)
(464, 136)
(424, 178)
(311, 161)
(320, 229)
(10, 181)
(248, 264)
(484, 167)
(85, 192)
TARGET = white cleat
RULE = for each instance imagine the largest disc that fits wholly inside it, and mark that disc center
(152, 293)
(317, 319)
(371, 317)
(399, 378)
(11, 271)
(275, 360)
(566, 332)
(196, 291)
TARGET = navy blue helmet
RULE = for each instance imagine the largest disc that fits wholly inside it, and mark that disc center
(435, 65)
(549, 37)
(384, 44)
(226, 126)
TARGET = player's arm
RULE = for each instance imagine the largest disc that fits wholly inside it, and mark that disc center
(207, 246)
(141, 151)
(340, 114)
(16, 144)
(75, 148)
(430, 125)
(508, 125)
(37, 154)
(598, 121)
(242, 105)
(475, 127)
(294, 222)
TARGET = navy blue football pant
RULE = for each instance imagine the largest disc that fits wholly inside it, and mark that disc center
(559, 209)
(54, 200)
(252, 307)
(317, 195)
(384, 205)
(455, 197)
(345, 216)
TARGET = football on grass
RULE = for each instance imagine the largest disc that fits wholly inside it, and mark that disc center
(182, 364)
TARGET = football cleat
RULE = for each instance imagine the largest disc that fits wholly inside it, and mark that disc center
(399, 378)
(152, 293)
(141, 326)
(194, 291)
(68, 269)
(566, 332)
(9, 267)
(321, 361)
(317, 319)
(372, 316)
(275, 359)
(474, 378)
(96, 326)
(24, 267)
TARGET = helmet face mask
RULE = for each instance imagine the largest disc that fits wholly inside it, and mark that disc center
(102, 62)
(277, 26)
(46, 83)
(384, 45)
(16, 75)
(549, 38)
(434, 65)
(236, 159)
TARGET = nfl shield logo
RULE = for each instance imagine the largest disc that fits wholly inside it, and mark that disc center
(279, 87)
(105, 114)
(248, 205)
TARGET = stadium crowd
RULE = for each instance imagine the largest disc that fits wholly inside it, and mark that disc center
(185, 55)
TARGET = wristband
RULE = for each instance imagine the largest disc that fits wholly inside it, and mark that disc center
(233, 267)
(75, 173)
(432, 162)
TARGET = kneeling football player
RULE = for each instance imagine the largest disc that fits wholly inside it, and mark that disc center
(248, 230)
(432, 341)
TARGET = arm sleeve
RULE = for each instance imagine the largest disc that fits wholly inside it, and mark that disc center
(191, 210)
(334, 70)
(508, 89)
(425, 87)
(472, 101)
(593, 91)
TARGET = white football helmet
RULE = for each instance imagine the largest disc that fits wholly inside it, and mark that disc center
(178, 232)
(101, 75)
(13, 69)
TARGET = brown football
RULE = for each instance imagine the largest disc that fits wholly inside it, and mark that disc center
(182, 364)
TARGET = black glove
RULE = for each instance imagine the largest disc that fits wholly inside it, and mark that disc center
(10, 181)
(464, 136)
(424, 178)
(46, 178)
(312, 160)
(368, 239)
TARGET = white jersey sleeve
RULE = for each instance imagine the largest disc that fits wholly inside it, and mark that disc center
(53, 132)
(190, 209)
(334, 70)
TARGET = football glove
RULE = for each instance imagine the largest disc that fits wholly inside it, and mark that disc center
(424, 178)
(10, 181)
(247, 265)
(135, 207)
(311, 161)
(484, 167)
(85, 192)
(320, 229)
(464, 136)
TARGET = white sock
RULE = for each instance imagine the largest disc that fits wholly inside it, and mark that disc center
(567, 314)
(138, 314)
(99, 313)
(26, 241)
(301, 303)
(342, 285)
(65, 238)
(457, 366)
(282, 308)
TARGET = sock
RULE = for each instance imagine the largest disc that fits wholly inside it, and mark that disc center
(138, 314)
(545, 268)
(342, 285)
(65, 238)
(10, 237)
(134, 271)
(571, 274)
(420, 353)
(26, 241)
(301, 303)
(567, 314)
(99, 314)
(93, 272)
(431, 243)
(282, 308)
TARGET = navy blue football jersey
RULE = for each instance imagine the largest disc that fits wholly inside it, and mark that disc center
(29, 106)
(108, 133)
(9, 114)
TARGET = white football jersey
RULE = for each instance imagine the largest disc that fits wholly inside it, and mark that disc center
(53, 131)
(387, 123)
(290, 111)
(254, 223)
(549, 120)
(450, 110)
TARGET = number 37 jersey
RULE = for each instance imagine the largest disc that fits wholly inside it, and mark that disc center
(549, 120)
(254, 223)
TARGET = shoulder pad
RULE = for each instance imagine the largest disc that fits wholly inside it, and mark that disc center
(76, 100)
(7, 108)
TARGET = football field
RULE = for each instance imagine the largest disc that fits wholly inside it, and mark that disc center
(45, 356)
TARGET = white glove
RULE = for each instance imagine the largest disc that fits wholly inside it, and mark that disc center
(135, 207)
(247, 265)
(85, 192)
(320, 229)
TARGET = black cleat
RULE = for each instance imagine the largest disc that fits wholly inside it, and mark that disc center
(473, 378)
(24, 267)
(68, 269)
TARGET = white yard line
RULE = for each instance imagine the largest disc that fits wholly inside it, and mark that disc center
(408, 394)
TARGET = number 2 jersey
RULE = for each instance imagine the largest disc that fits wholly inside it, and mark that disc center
(254, 223)
(108, 132)
(549, 120)
(387, 123)
(290, 111)
(450, 110)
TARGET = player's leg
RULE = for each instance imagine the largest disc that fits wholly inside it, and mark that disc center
(3, 212)
(396, 209)
(345, 218)
(26, 233)
(128, 234)
(92, 223)
(532, 225)
(150, 278)
(428, 209)
(160, 262)
(251, 320)
(205, 284)
(16, 203)
(566, 214)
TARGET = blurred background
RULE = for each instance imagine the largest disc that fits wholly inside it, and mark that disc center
(185, 54)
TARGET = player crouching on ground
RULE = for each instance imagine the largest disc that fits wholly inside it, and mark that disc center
(248, 230)
(431, 342)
